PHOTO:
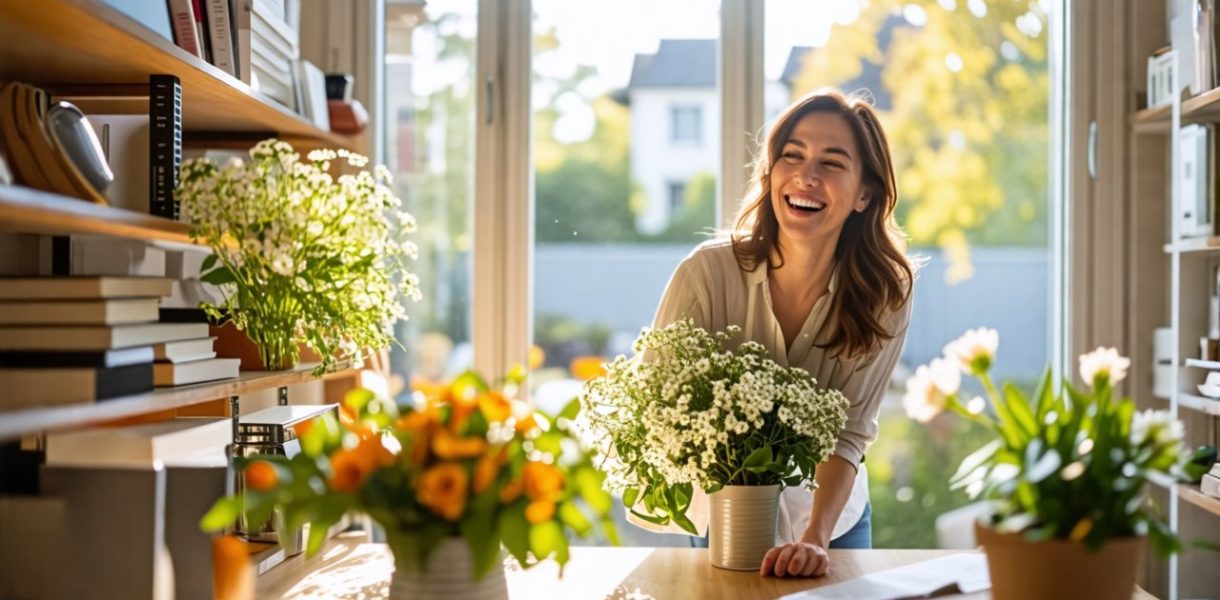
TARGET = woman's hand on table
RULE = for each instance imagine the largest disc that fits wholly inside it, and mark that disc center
(799, 559)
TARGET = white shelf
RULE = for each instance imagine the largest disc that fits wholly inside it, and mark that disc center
(1193, 245)
(1203, 364)
(1203, 404)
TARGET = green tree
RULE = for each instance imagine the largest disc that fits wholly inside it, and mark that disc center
(968, 117)
(694, 220)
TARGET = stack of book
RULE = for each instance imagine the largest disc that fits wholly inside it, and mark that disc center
(1211, 482)
(69, 340)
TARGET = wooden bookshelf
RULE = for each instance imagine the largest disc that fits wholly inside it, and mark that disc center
(1204, 108)
(27, 210)
(1191, 494)
(1151, 120)
(14, 424)
(63, 45)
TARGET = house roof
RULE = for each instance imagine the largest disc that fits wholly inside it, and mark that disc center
(870, 73)
(676, 63)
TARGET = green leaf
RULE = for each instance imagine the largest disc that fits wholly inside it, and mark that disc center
(573, 518)
(208, 263)
(218, 276)
(1019, 406)
(478, 530)
(1044, 396)
(589, 482)
(545, 539)
(572, 409)
(317, 536)
(650, 518)
(222, 514)
(611, 530)
(630, 495)
(757, 461)
(514, 532)
(975, 460)
(550, 442)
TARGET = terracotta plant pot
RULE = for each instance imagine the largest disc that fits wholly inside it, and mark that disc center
(1059, 569)
(232, 343)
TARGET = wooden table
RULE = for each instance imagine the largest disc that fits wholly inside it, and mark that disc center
(350, 569)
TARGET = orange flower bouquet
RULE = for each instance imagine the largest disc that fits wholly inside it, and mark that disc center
(449, 479)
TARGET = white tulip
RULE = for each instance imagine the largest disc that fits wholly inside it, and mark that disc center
(1103, 361)
(929, 389)
(1157, 427)
(974, 351)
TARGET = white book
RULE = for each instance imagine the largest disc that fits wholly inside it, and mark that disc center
(96, 255)
(1210, 485)
(1215, 472)
(185, 350)
(170, 374)
(185, 441)
(80, 312)
(220, 32)
(182, 15)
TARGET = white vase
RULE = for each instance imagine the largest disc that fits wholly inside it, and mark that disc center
(743, 525)
(449, 576)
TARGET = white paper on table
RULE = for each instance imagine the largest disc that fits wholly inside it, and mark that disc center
(964, 573)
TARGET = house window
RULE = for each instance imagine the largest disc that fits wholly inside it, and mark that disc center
(686, 124)
(677, 189)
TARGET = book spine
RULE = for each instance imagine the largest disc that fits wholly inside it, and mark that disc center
(165, 144)
(220, 30)
(201, 25)
(185, 32)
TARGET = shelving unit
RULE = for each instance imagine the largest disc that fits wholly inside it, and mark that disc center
(84, 47)
(16, 423)
(1154, 160)
(27, 210)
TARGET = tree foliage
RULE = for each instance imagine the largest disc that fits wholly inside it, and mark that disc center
(968, 117)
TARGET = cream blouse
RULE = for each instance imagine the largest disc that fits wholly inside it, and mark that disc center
(710, 288)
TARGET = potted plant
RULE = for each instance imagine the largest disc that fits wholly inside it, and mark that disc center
(300, 256)
(1065, 475)
(449, 480)
(688, 415)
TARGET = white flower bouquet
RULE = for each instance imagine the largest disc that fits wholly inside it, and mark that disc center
(686, 414)
(299, 255)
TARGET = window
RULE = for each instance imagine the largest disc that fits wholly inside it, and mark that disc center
(429, 74)
(677, 190)
(985, 227)
(686, 124)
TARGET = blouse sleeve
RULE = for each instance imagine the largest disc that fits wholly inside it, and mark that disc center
(686, 295)
(865, 390)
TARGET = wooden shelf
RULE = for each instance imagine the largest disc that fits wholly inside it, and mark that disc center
(1199, 244)
(27, 210)
(1204, 108)
(1151, 120)
(63, 45)
(1191, 494)
(14, 424)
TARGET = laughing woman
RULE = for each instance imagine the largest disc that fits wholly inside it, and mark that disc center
(816, 271)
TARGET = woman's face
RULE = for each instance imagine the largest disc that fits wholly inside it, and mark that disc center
(815, 183)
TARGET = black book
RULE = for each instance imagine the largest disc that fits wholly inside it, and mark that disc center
(164, 144)
(183, 315)
(27, 388)
(107, 359)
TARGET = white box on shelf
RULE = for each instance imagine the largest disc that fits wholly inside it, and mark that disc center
(1195, 214)
(1160, 84)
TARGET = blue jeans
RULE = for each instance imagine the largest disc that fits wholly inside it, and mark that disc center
(859, 537)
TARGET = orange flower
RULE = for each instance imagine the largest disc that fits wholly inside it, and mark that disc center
(587, 367)
(511, 491)
(302, 428)
(261, 476)
(495, 406)
(487, 468)
(347, 474)
(352, 466)
(539, 511)
(462, 404)
(443, 490)
(447, 446)
(419, 425)
(526, 424)
(537, 357)
(542, 481)
(232, 572)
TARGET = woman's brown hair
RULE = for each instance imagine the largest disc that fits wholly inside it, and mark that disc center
(874, 274)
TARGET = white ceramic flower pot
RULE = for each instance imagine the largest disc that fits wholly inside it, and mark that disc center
(743, 525)
(449, 577)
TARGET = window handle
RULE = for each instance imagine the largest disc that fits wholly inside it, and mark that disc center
(1093, 150)
(489, 87)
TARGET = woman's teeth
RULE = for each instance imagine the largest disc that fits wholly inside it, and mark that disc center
(803, 204)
